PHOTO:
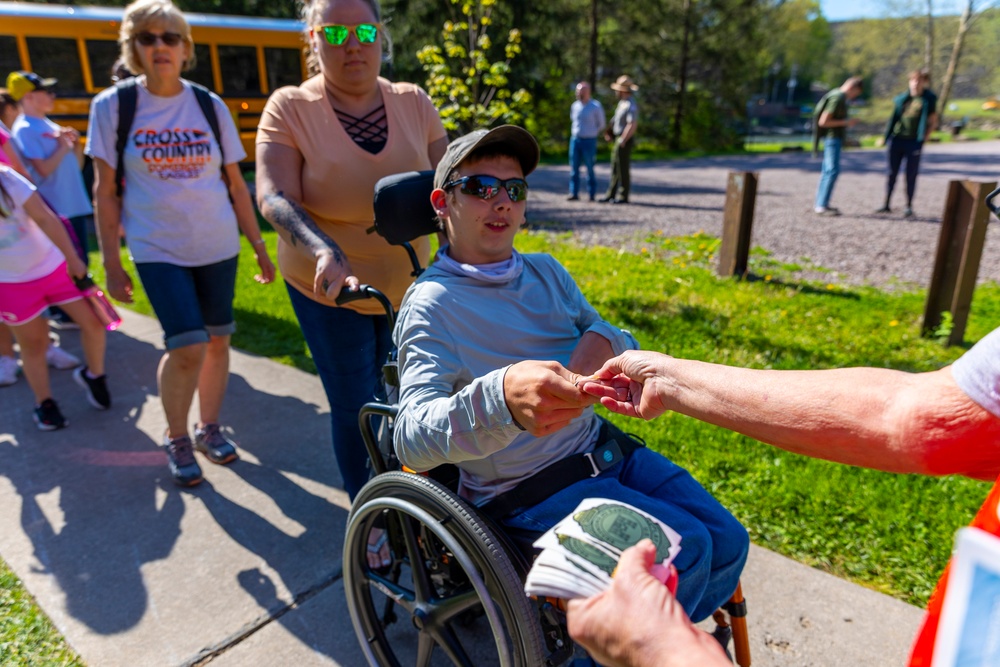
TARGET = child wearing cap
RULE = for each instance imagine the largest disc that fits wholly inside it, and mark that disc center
(52, 153)
(37, 262)
(491, 346)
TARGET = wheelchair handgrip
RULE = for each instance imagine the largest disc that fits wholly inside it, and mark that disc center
(368, 292)
(989, 202)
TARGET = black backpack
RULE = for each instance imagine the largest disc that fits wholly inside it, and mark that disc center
(127, 98)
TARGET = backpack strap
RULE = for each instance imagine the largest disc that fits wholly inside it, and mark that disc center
(127, 96)
(208, 108)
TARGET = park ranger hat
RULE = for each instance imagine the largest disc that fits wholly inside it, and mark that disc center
(517, 140)
(20, 84)
(624, 84)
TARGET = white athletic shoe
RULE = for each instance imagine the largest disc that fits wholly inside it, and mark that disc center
(59, 358)
(8, 371)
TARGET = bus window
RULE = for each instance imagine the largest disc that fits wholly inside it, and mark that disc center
(9, 60)
(239, 70)
(202, 72)
(284, 67)
(102, 54)
(59, 58)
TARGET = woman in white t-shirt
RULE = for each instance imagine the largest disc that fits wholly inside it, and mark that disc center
(37, 264)
(182, 208)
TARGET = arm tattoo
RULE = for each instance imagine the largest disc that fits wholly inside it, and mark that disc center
(289, 215)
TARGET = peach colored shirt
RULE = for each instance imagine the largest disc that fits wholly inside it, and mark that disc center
(338, 179)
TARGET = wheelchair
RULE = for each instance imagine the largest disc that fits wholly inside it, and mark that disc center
(454, 590)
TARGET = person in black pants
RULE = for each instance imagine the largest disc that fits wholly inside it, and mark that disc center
(914, 115)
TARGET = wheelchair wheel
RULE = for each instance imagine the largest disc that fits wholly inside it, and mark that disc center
(450, 574)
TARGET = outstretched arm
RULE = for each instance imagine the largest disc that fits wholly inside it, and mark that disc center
(877, 418)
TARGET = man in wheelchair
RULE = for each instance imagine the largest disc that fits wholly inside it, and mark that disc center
(492, 345)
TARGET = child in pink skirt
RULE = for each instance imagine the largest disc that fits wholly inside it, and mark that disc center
(37, 264)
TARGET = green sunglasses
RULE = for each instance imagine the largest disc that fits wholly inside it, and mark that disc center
(337, 33)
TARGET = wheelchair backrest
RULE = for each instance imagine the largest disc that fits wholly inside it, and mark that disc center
(403, 210)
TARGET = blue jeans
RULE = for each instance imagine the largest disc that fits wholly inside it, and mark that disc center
(191, 302)
(349, 350)
(714, 545)
(582, 152)
(831, 169)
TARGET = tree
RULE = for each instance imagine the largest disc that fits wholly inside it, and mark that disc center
(969, 16)
(468, 89)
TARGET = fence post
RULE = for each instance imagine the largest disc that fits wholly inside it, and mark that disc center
(956, 264)
(737, 222)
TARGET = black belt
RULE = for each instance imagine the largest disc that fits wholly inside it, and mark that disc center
(614, 446)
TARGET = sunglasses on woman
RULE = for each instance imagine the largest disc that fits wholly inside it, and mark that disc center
(150, 38)
(337, 33)
(488, 187)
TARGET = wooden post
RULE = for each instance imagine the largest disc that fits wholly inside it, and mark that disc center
(737, 222)
(956, 265)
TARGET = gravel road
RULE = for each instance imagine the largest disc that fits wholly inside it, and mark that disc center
(684, 196)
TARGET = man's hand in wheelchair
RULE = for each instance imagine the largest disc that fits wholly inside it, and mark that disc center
(542, 396)
(590, 353)
(333, 273)
(637, 622)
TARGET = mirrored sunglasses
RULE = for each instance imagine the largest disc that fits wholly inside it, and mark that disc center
(337, 33)
(150, 38)
(488, 187)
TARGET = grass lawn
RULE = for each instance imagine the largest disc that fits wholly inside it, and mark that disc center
(892, 533)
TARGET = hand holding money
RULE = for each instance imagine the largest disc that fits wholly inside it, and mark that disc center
(637, 622)
(580, 553)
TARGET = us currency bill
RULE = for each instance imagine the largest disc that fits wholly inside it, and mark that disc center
(580, 553)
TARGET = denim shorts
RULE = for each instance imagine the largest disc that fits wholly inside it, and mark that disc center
(191, 302)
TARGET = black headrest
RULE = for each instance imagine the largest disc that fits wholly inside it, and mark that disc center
(403, 210)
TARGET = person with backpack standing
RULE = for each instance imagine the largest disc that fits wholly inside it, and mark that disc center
(166, 156)
(831, 123)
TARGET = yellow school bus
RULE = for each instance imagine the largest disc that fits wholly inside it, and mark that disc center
(241, 58)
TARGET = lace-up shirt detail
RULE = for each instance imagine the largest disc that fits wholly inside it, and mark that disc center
(370, 132)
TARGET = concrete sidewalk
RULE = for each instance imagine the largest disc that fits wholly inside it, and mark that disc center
(244, 569)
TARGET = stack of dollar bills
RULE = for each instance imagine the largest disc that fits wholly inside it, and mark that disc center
(580, 553)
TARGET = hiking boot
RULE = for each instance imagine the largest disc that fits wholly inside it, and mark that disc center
(8, 370)
(217, 448)
(573, 198)
(180, 459)
(60, 359)
(95, 388)
(47, 416)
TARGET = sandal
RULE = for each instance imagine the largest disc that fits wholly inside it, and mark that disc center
(380, 548)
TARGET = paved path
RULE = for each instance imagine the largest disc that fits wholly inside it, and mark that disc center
(244, 569)
(687, 196)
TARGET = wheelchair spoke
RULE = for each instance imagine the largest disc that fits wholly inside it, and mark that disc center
(425, 649)
(448, 608)
(446, 638)
(400, 595)
(422, 587)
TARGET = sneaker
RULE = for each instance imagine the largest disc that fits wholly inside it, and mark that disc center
(60, 359)
(217, 448)
(8, 371)
(907, 212)
(96, 388)
(828, 211)
(572, 198)
(180, 459)
(58, 319)
(47, 416)
(884, 209)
